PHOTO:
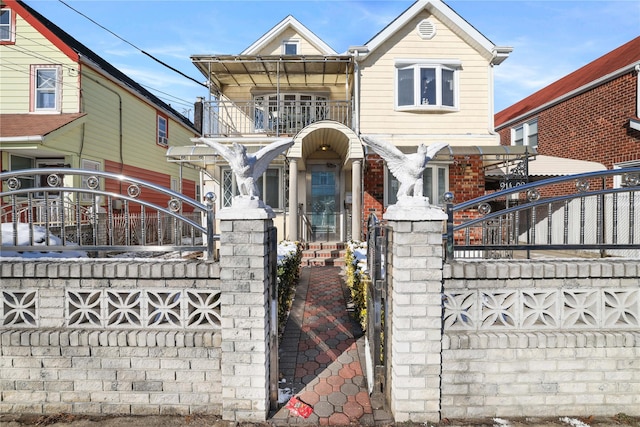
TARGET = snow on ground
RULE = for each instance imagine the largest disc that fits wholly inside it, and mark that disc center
(39, 239)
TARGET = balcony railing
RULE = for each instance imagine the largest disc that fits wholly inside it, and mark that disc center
(270, 117)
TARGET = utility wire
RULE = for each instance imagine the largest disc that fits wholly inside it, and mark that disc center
(164, 64)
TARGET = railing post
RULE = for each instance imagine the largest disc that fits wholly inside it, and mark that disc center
(210, 199)
(449, 251)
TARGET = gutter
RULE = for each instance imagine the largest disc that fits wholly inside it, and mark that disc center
(31, 138)
(575, 92)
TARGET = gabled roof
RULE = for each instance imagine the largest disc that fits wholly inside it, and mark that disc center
(615, 63)
(450, 18)
(279, 28)
(71, 46)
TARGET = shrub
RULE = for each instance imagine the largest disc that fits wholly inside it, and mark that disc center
(289, 258)
(357, 279)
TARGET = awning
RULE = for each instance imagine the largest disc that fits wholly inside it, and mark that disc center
(27, 133)
(491, 154)
(202, 155)
(547, 166)
(268, 70)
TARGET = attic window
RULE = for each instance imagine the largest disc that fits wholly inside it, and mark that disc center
(426, 29)
(290, 47)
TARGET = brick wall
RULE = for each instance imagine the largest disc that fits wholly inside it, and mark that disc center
(106, 336)
(531, 338)
(592, 126)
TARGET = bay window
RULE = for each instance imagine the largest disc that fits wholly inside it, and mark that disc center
(426, 85)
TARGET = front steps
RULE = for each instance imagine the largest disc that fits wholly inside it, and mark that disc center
(323, 254)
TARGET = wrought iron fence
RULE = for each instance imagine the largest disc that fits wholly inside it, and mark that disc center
(596, 213)
(224, 117)
(69, 210)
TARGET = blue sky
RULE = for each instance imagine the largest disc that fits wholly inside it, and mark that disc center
(550, 38)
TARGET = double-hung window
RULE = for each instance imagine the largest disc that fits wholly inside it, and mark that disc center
(46, 84)
(270, 185)
(163, 131)
(427, 85)
(525, 134)
(435, 182)
(7, 26)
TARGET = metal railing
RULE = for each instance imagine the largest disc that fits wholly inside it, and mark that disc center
(53, 217)
(596, 213)
(376, 298)
(225, 118)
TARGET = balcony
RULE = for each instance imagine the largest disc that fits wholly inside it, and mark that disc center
(270, 117)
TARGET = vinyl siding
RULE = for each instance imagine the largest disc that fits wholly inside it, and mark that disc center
(31, 47)
(138, 147)
(377, 108)
(304, 47)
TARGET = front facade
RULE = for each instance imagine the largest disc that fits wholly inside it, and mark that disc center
(64, 106)
(590, 115)
(426, 78)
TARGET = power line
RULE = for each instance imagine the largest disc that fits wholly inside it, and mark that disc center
(164, 64)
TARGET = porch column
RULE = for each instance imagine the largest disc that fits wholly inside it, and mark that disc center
(293, 199)
(356, 199)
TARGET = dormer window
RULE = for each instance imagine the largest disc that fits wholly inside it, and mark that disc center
(290, 47)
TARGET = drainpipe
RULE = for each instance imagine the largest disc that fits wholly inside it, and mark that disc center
(355, 51)
(637, 68)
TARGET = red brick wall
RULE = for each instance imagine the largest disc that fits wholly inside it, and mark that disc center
(592, 126)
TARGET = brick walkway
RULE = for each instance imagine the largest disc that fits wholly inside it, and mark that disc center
(322, 355)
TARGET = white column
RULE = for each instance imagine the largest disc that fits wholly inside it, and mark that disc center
(356, 199)
(293, 199)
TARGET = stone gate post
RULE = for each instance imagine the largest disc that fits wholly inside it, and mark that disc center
(244, 278)
(416, 253)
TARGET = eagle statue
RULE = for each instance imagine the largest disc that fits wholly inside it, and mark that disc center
(246, 167)
(406, 168)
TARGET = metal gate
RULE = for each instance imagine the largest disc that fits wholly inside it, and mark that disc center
(377, 310)
(272, 244)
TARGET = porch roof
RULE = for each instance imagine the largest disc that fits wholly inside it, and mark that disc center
(547, 166)
(273, 70)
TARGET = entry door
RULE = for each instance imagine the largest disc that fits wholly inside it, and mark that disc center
(323, 203)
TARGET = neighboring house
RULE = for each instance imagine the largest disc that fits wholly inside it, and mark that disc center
(587, 117)
(64, 106)
(425, 78)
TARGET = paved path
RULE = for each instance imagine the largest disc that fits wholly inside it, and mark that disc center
(322, 355)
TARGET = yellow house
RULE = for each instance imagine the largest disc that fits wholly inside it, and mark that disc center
(64, 106)
(425, 78)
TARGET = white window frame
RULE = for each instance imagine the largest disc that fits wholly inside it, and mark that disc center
(419, 101)
(56, 90)
(528, 130)
(8, 27)
(435, 196)
(291, 42)
(163, 134)
(229, 178)
(91, 165)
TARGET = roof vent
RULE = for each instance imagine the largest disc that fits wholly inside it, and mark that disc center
(426, 29)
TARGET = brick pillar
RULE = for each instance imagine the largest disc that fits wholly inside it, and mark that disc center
(244, 280)
(416, 312)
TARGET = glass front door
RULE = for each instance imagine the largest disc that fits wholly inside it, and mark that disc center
(323, 204)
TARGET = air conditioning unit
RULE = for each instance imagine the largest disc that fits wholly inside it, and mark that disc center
(163, 140)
